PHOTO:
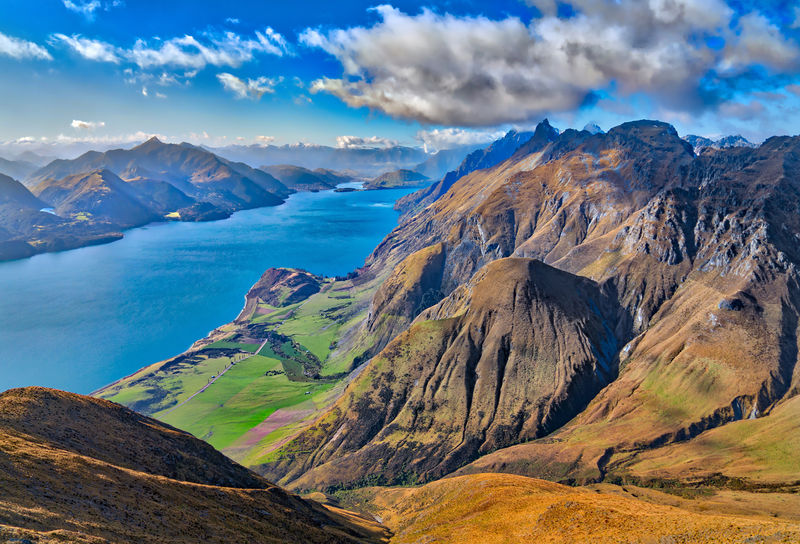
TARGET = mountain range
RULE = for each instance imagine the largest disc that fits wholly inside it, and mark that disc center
(596, 306)
(610, 311)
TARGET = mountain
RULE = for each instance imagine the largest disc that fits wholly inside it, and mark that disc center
(298, 178)
(25, 229)
(367, 162)
(79, 469)
(99, 194)
(445, 160)
(397, 178)
(594, 307)
(699, 142)
(17, 169)
(495, 153)
(499, 508)
(593, 128)
(198, 173)
(35, 158)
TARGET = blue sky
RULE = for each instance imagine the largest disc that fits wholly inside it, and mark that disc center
(114, 71)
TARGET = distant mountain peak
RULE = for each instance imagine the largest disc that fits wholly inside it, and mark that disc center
(593, 128)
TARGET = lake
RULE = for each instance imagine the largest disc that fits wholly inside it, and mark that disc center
(80, 319)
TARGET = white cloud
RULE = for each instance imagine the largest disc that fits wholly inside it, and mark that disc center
(265, 140)
(144, 91)
(86, 125)
(87, 8)
(474, 71)
(232, 20)
(160, 95)
(447, 138)
(188, 52)
(358, 142)
(228, 49)
(22, 49)
(83, 7)
(252, 88)
(89, 49)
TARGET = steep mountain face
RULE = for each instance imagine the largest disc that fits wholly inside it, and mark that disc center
(195, 171)
(673, 310)
(497, 152)
(510, 356)
(99, 194)
(298, 178)
(78, 469)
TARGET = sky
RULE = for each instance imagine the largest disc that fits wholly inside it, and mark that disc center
(352, 73)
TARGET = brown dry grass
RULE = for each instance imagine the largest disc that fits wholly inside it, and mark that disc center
(502, 508)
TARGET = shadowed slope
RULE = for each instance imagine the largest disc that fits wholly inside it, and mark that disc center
(86, 470)
(511, 356)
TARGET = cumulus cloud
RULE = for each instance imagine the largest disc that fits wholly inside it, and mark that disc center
(87, 48)
(475, 71)
(86, 125)
(358, 142)
(252, 88)
(22, 49)
(447, 138)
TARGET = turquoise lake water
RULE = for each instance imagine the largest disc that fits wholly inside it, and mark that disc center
(80, 319)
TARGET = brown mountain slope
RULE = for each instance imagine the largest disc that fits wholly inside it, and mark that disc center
(78, 469)
(509, 357)
(495, 509)
(197, 172)
(99, 194)
(696, 256)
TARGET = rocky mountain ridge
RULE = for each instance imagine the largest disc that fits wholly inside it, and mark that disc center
(695, 258)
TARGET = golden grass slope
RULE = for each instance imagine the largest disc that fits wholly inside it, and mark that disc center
(77, 469)
(506, 509)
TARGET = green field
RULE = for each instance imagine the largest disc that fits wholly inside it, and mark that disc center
(230, 413)
(241, 399)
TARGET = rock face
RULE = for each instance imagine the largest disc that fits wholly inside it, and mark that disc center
(510, 356)
(96, 471)
(284, 286)
(496, 153)
(674, 309)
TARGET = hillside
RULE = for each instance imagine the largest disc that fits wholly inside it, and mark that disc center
(79, 469)
(17, 169)
(98, 195)
(25, 229)
(494, 508)
(689, 322)
(397, 178)
(300, 179)
(197, 172)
